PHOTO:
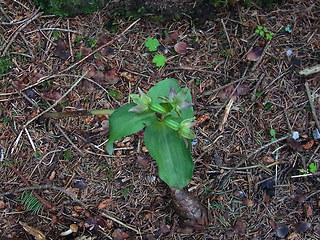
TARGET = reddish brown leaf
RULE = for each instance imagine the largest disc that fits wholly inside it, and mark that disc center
(171, 37)
(309, 210)
(105, 203)
(2, 204)
(273, 224)
(308, 144)
(188, 207)
(111, 76)
(119, 234)
(254, 54)
(181, 48)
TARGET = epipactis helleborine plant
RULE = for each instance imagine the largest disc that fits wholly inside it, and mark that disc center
(166, 113)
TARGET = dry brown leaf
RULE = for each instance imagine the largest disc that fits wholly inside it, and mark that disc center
(248, 202)
(309, 210)
(255, 54)
(202, 119)
(36, 233)
(105, 203)
(171, 37)
(2, 204)
(52, 176)
(240, 228)
(181, 48)
(267, 159)
(273, 224)
(111, 76)
(308, 144)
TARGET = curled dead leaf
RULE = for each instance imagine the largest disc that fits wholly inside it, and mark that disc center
(181, 48)
(105, 203)
(119, 234)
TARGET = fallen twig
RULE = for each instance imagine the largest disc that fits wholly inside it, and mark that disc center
(310, 98)
(26, 182)
(228, 175)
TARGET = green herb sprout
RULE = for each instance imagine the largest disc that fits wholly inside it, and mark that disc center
(152, 44)
(264, 32)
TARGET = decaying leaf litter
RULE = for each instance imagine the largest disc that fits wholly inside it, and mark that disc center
(76, 64)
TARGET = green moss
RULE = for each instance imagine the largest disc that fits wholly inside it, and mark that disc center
(5, 65)
(64, 8)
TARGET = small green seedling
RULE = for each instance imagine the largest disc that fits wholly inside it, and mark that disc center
(152, 44)
(312, 168)
(159, 60)
(273, 134)
(264, 32)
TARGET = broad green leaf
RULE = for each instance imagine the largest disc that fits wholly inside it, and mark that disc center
(162, 88)
(123, 123)
(169, 150)
(152, 44)
(159, 60)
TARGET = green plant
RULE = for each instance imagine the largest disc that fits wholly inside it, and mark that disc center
(166, 113)
(264, 32)
(152, 44)
(5, 65)
(67, 155)
(273, 135)
(312, 169)
(30, 202)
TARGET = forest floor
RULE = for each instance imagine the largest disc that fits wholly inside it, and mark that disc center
(254, 179)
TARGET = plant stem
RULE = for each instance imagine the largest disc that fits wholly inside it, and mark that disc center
(77, 113)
